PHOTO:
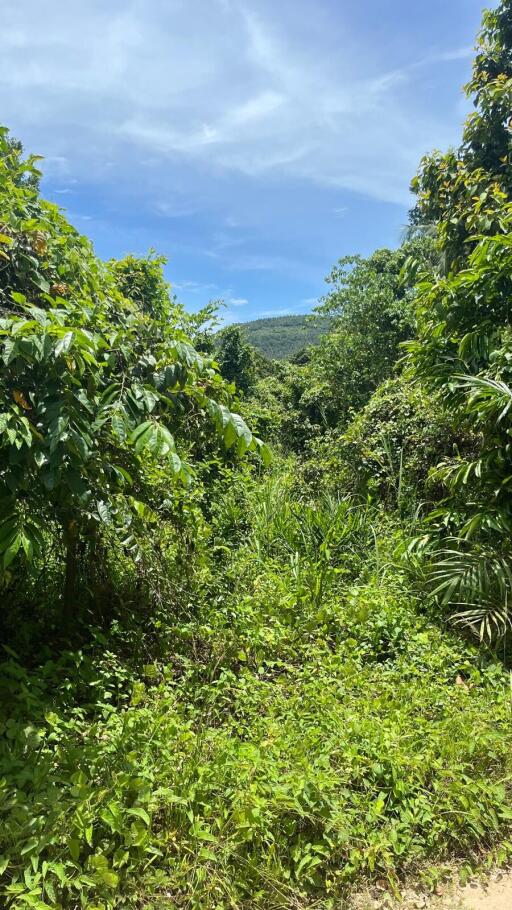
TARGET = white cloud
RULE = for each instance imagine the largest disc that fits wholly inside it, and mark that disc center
(221, 86)
(237, 301)
(193, 287)
(174, 208)
(458, 53)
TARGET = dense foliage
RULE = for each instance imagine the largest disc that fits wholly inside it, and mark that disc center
(303, 730)
(281, 337)
(96, 388)
(236, 359)
(372, 307)
(463, 345)
(229, 683)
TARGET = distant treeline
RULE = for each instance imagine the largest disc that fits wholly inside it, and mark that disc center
(280, 337)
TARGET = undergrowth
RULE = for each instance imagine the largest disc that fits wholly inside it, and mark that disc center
(304, 725)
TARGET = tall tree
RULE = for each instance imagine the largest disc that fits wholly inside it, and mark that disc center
(464, 191)
(372, 313)
(464, 343)
(236, 358)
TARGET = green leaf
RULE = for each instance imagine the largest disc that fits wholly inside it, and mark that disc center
(12, 550)
(30, 847)
(265, 452)
(175, 463)
(230, 435)
(42, 283)
(203, 834)
(146, 439)
(138, 431)
(28, 546)
(104, 512)
(74, 848)
(64, 344)
(143, 511)
(140, 813)
(118, 422)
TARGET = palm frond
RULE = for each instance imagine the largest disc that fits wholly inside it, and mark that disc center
(476, 585)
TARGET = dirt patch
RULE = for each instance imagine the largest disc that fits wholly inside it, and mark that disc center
(496, 894)
(492, 893)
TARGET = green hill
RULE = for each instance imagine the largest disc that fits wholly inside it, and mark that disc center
(280, 337)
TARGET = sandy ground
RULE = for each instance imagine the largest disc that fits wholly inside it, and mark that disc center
(494, 895)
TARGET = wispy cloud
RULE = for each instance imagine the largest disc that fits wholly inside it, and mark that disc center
(458, 53)
(256, 102)
(230, 134)
(174, 208)
(193, 287)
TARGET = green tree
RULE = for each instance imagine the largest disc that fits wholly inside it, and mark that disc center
(236, 358)
(141, 279)
(29, 176)
(371, 311)
(463, 191)
(94, 388)
(463, 349)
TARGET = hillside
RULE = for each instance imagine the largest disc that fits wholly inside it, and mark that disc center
(280, 337)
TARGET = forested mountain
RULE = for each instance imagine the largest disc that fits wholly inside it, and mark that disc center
(256, 612)
(280, 337)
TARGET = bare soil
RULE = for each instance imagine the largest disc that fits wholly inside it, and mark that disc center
(492, 893)
(496, 894)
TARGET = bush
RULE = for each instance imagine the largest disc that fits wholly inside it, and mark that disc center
(391, 447)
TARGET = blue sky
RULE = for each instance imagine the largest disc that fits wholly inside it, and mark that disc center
(252, 142)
